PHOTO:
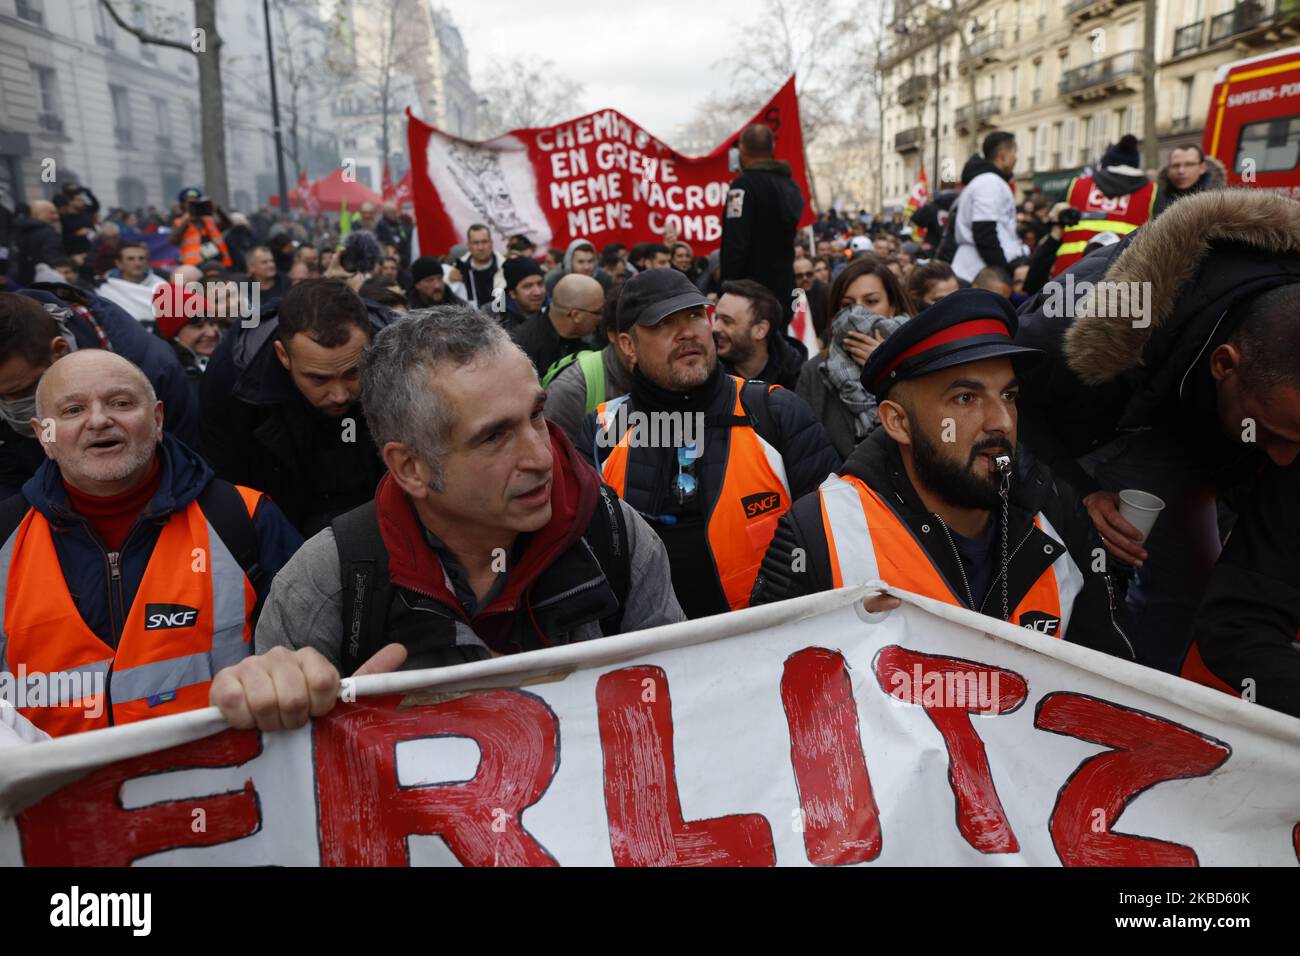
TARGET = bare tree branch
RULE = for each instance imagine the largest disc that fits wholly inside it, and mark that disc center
(143, 35)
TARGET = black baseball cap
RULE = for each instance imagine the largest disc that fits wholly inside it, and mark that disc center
(652, 295)
(966, 326)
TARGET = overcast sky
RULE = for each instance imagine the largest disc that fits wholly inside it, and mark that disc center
(650, 61)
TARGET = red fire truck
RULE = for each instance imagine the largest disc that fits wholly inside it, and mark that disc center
(1254, 121)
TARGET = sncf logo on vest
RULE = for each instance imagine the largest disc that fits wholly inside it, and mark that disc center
(162, 617)
(1041, 622)
(760, 503)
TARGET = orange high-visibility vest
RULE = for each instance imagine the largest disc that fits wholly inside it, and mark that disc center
(191, 617)
(755, 493)
(868, 541)
(192, 243)
(1119, 214)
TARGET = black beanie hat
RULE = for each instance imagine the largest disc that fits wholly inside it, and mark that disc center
(424, 267)
(1123, 153)
(520, 268)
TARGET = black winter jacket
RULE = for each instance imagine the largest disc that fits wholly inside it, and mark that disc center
(1097, 617)
(1249, 621)
(257, 430)
(762, 213)
(1109, 371)
(35, 241)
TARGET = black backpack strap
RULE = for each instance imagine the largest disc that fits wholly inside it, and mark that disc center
(363, 569)
(12, 511)
(754, 398)
(224, 507)
(609, 541)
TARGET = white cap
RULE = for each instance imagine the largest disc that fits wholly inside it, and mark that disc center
(859, 243)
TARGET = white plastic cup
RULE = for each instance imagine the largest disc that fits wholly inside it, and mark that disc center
(1140, 509)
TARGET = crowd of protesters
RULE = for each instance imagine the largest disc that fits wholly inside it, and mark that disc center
(395, 460)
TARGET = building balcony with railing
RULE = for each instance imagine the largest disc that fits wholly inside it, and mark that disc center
(983, 49)
(981, 113)
(1080, 10)
(1253, 22)
(1114, 74)
(909, 139)
(1189, 38)
(913, 89)
(51, 123)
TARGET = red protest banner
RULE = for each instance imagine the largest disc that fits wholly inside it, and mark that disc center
(599, 177)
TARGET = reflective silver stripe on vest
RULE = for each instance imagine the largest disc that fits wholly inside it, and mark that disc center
(228, 615)
(848, 530)
(777, 464)
(6, 559)
(228, 644)
(1069, 577)
(133, 683)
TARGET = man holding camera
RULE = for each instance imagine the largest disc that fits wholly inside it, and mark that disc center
(198, 230)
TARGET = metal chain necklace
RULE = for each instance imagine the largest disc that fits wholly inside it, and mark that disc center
(1004, 466)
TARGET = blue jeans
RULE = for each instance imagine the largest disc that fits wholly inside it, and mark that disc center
(1182, 546)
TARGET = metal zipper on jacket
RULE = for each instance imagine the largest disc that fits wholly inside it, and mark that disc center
(970, 597)
(1110, 593)
(564, 595)
(115, 595)
(1008, 566)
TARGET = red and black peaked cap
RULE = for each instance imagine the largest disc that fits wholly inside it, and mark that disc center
(966, 326)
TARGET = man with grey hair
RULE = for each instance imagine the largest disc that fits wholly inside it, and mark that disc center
(124, 556)
(488, 535)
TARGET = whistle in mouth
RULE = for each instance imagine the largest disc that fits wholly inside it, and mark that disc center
(1003, 462)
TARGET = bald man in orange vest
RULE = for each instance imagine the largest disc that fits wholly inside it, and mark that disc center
(129, 575)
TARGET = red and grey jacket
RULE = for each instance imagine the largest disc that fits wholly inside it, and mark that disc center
(878, 528)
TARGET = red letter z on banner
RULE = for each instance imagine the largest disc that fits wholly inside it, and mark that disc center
(1147, 750)
(366, 815)
(645, 812)
(950, 690)
(841, 821)
(84, 824)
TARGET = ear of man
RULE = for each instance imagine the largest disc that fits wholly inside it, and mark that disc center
(409, 471)
(896, 414)
(1225, 360)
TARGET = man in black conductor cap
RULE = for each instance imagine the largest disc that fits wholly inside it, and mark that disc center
(941, 501)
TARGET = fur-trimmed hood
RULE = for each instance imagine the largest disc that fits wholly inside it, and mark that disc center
(1254, 237)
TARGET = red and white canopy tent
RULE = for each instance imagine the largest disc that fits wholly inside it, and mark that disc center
(330, 191)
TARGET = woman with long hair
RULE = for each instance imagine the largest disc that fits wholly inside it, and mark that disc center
(868, 303)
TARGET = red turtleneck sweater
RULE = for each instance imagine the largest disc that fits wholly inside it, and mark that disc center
(114, 515)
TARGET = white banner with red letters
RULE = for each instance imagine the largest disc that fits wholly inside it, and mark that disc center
(802, 733)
